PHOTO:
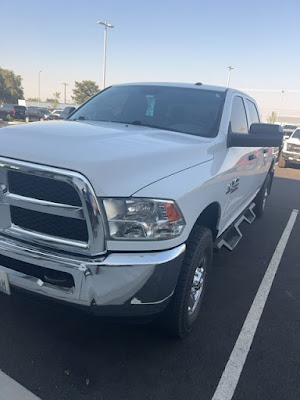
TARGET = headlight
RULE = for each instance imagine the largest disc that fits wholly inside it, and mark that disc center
(289, 147)
(146, 219)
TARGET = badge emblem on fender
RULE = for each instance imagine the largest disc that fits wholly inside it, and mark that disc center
(233, 185)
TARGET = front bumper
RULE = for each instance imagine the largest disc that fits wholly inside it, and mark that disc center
(117, 284)
(291, 156)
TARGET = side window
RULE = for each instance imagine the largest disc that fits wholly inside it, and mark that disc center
(238, 120)
(253, 112)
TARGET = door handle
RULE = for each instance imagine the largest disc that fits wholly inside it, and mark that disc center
(251, 157)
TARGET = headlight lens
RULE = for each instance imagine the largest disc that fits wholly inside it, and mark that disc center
(289, 147)
(143, 219)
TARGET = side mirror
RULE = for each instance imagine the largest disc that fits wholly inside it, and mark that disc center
(260, 135)
(286, 137)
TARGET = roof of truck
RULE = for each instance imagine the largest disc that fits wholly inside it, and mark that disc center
(198, 85)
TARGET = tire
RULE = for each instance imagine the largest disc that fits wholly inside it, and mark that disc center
(184, 307)
(282, 163)
(27, 119)
(262, 196)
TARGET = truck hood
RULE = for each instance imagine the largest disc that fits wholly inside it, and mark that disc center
(293, 141)
(117, 159)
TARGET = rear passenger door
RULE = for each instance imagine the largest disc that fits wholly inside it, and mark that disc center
(263, 154)
(242, 161)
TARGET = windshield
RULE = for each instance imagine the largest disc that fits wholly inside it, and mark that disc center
(189, 110)
(296, 134)
(290, 127)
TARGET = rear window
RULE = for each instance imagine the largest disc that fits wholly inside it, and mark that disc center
(20, 108)
(7, 107)
(254, 117)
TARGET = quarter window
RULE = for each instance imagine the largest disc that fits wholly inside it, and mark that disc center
(238, 120)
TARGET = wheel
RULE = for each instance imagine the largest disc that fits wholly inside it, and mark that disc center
(186, 301)
(262, 196)
(27, 119)
(282, 163)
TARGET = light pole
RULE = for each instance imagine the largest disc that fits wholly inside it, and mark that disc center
(39, 84)
(106, 25)
(280, 102)
(65, 91)
(229, 74)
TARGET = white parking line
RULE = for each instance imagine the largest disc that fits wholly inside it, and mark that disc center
(231, 375)
(12, 390)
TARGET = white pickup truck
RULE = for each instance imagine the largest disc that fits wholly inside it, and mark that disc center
(118, 208)
(290, 153)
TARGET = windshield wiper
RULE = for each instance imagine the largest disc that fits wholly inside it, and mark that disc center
(145, 123)
(139, 123)
(81, 118)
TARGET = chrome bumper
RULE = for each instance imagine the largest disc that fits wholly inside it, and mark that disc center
(119, 279)
(291, 156)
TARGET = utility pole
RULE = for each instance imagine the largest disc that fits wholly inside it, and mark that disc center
(65, 91)
(229, 74)
(39, 86)
(280, 103)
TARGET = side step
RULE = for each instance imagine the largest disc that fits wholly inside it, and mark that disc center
(231, 237)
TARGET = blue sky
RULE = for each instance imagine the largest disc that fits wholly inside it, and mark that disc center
(157, 40)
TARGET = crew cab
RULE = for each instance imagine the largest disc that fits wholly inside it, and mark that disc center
(118, 208)
(36, 114)
(291, 150)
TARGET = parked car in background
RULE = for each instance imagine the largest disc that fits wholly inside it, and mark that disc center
(66, 112)
(288, 130)
(291, 150)
(36, 114)
(12, 111)
(55, 114)
(61, 114)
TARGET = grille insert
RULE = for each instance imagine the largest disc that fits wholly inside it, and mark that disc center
(42, 188)
(53, 225)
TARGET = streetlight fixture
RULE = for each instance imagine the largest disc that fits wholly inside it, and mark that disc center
(106, 25)
(39, 85)
(229, 74)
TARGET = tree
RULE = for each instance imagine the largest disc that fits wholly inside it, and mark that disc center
(84, 90)
(272, 118)
(56, 99)
(10, 86)
(36, 99)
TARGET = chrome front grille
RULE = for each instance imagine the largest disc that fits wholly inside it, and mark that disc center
(49, 207)
(295, 147)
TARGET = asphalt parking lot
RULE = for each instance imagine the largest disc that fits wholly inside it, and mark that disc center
(60, 354)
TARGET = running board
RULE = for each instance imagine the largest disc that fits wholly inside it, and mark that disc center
(231, 237)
